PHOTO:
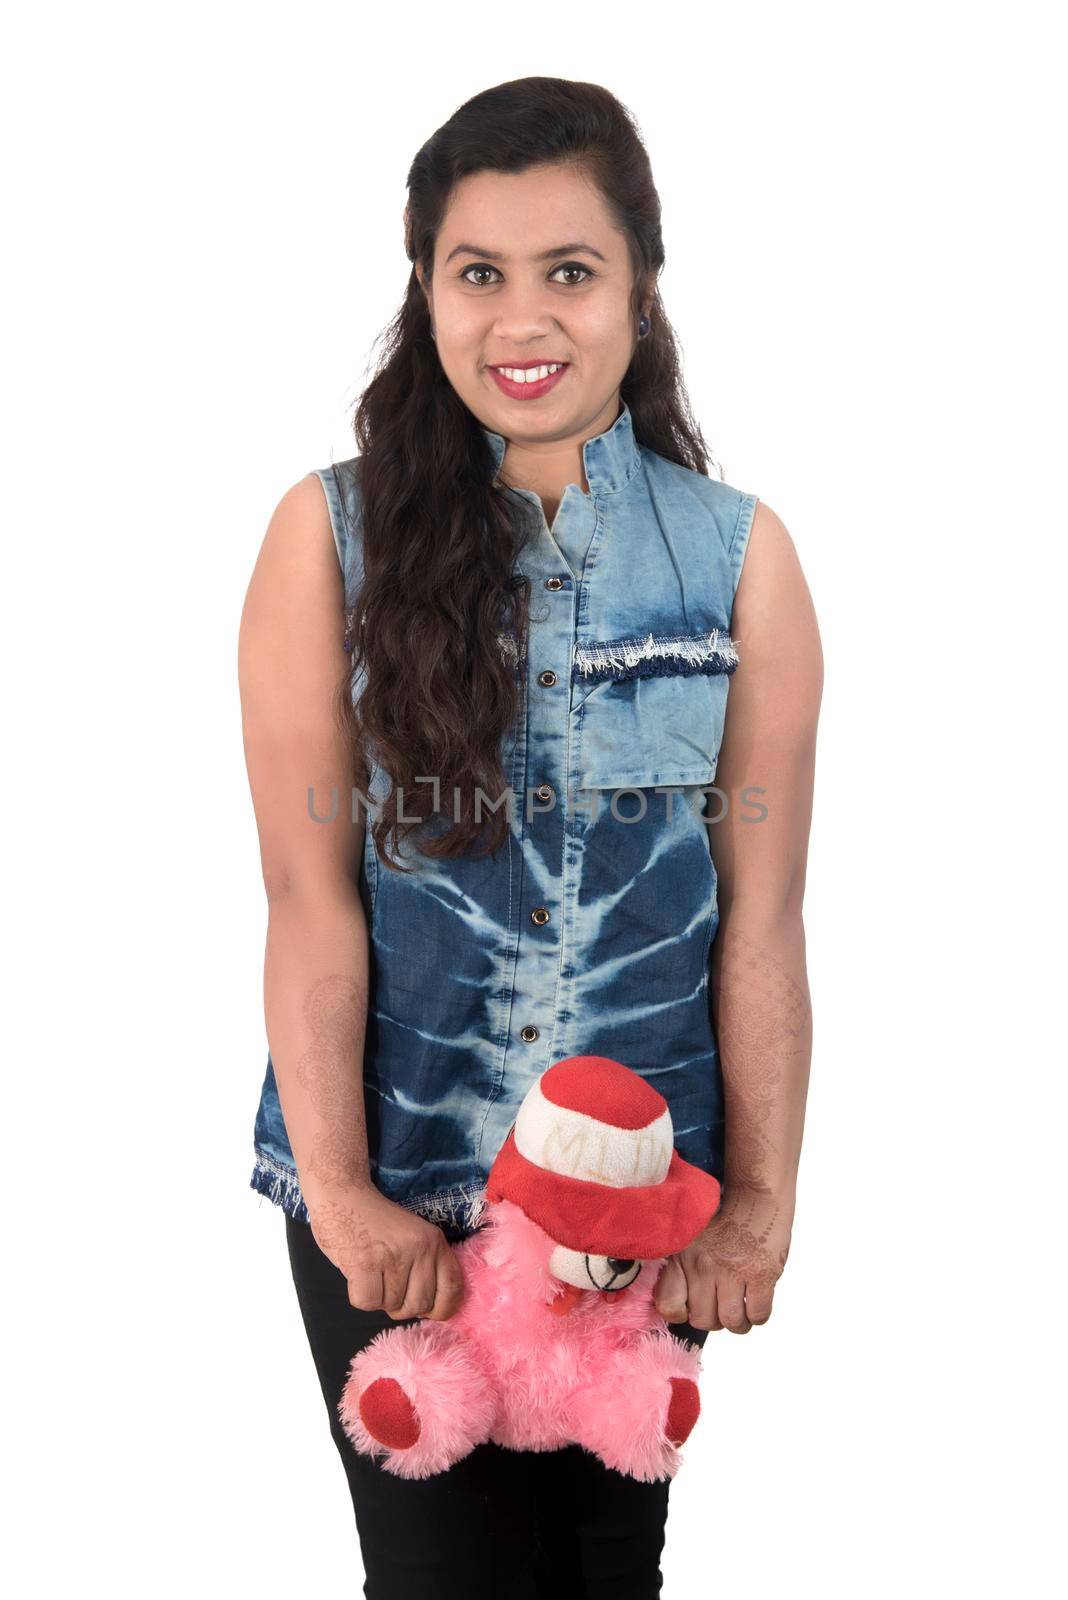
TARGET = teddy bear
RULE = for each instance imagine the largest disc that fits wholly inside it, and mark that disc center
(557, 1340)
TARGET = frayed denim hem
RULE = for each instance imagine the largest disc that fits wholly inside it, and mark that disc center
(280, 1184)
(656, 656)
(458, 1211)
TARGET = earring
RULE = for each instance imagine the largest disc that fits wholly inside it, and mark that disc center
(643, 327)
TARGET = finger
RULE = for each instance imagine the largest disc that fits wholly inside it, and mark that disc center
(701, 1299)
(730, 1305)
(422, 1282)
(450, 1284)
(670, 1295)
(395, 1276)
(758, 1298)
(365, 1289)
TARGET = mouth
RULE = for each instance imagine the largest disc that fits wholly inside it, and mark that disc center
(531, 381)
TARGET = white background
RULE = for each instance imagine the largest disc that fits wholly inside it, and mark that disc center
(862, 210)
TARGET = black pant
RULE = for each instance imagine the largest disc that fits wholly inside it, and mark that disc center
(498, 1524)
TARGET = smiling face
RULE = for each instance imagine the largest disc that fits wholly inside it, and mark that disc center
(529, 270)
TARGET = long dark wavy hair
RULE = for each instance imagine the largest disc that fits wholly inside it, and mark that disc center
(440, 539)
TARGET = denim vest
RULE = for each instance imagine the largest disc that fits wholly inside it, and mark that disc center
(590, 931)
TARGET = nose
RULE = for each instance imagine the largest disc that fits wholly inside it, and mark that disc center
(618, 1264)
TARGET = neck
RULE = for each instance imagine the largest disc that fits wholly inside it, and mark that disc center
(547, 467)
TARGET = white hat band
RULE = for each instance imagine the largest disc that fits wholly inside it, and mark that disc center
(575, 1145)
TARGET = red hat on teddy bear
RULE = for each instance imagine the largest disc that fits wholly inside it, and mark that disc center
(591, 1158)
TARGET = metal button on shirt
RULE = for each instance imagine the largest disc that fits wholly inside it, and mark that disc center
(590, 930)
(572, 531)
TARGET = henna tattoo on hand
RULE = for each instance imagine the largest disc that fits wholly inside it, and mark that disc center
(344, 1236)
(735, 1239)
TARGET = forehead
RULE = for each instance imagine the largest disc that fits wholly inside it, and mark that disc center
(523, 214)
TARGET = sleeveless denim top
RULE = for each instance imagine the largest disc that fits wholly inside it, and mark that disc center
(590, 931)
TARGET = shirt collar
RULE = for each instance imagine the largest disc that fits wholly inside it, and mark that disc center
(610, 459)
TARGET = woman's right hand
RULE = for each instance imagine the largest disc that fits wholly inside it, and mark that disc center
(393, 1259)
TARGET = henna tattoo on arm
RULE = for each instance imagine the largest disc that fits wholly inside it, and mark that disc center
(764, 1031)
(330, 1071)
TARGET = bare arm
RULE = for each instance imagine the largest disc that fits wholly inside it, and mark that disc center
(291, 661)
(758, 976)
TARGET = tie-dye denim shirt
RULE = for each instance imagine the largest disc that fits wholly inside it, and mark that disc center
(590, 931)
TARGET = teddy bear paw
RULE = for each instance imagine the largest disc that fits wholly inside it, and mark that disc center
(388, 1414)
(683, 1410)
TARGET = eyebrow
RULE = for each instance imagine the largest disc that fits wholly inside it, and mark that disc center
(546, 255)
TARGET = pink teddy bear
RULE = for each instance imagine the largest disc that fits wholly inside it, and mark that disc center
(557, 1340)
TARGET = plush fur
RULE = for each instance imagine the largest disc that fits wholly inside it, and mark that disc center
(528, 1361)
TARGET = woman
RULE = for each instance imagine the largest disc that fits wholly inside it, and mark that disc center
(568, 847)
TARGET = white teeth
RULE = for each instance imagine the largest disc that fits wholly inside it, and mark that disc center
(530, 374)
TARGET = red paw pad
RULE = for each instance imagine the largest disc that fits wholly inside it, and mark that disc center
(388, 1414)
(683, 1411)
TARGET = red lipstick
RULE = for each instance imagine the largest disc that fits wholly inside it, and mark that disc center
(528, 390)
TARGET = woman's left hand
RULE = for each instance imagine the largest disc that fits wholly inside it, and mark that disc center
(727, 1276)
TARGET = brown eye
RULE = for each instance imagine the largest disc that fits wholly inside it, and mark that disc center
(574, 266)
(480, 266)
(564, 266)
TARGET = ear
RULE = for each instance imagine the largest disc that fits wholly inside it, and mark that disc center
(427, 297)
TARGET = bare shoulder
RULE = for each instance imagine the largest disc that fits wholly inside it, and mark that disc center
(297, 567)
(774, 619)
(299, 525)
(290, 645)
